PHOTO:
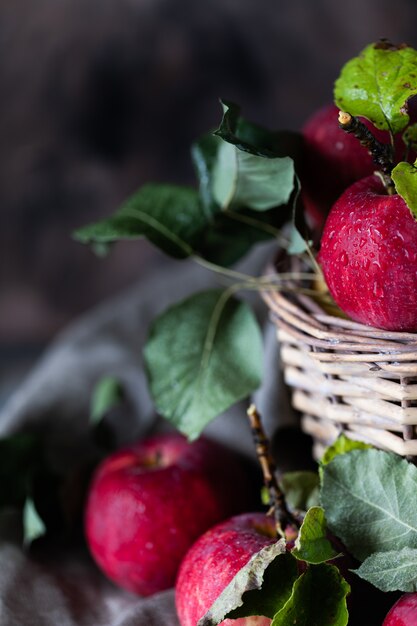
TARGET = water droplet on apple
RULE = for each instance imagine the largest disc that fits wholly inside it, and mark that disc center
(366, 263)
(344, 259)
(400, 235)
(378, 291)
(362, 242)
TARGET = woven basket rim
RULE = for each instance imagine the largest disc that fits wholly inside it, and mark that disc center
(345, 376)
(303, 317)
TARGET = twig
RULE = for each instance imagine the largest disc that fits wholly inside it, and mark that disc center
(381, 152)
(278, 506)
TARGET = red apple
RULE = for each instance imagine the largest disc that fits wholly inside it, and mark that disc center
(214, 560)
(368, 255)
(333, 160)
(404, 611)
(149, 502)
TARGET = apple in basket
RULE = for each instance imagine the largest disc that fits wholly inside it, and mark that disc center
(368, 255)
(213, 561)
(148, 502)
(334, 159)
(331, 153)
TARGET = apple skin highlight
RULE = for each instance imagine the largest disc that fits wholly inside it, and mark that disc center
(149, 502)
(214, 560)
(368, 255)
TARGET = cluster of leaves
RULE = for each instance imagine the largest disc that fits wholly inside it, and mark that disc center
(376, 521)
(205, 353)
(378, 85)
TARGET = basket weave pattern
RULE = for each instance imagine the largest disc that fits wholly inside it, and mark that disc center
(347, 377)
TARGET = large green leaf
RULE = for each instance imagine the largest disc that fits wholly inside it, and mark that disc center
(312, 544)
(404, 176)
(377, 84)
(171, 217)
(391, 571)
(370, 501)
(318, 599)
(242, 179)
(202, 356)
(229, 235)
(254, 167)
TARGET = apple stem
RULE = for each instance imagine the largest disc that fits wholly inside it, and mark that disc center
(285, 521)
(381, 152)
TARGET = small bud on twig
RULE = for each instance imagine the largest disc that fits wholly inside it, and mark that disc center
(381, 152)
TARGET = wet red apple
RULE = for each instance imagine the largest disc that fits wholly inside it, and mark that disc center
(368, 254)
(150, 501)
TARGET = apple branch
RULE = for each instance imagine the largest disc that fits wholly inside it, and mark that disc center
(381, 152)
(278, 506)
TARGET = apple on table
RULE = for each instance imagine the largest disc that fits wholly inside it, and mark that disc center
(148, 503)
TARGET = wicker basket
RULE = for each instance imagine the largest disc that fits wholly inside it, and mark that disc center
(346, 377)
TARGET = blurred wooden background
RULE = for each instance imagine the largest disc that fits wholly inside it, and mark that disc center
(100, 96)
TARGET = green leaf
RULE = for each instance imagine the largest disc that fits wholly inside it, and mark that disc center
(241, 179)
(229, 235)
(312, 544)
(106, 395)
(301, 489)
(297, 244)
(232, 234)
(342, 445)
(261, 587)
(202, 356)
(377, 84)
(256, 139)
(33, 526)
(410, 137)
(370, 501)
(204, 155)
(170, 217)
(391, 571)
(404, 176)
(300, 235)
(318, 599)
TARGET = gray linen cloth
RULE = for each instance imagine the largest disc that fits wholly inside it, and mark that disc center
(58, 587)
